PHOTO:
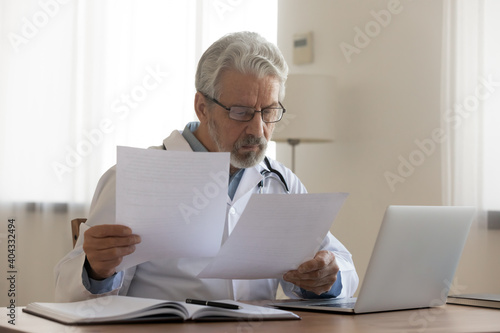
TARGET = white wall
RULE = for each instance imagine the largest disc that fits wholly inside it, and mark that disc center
(388, 97)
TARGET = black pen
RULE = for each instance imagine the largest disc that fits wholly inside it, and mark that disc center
(214, 304)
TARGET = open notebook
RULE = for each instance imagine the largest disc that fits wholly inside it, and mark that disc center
(412, 264)
(121, 309)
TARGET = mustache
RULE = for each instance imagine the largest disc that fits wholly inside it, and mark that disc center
(251, 140)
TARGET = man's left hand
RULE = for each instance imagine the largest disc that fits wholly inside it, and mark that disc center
(317, 275)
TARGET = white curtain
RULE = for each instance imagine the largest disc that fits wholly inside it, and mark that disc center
(78, 78)
(471, 103)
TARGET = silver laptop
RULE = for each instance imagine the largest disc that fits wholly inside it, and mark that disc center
(412, 264)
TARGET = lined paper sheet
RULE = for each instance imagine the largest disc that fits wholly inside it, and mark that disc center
(176, 202)
(275, 233)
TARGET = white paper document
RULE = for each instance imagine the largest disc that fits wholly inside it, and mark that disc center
(176, 202)
(275, 233)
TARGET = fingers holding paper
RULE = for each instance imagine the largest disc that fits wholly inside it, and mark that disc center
(105, 246)
(317, 275)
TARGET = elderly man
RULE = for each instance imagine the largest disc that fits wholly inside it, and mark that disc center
(240, 83)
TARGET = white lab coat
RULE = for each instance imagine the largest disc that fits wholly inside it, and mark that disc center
(176, 279)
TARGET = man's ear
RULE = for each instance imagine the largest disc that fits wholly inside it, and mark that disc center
(200, 107)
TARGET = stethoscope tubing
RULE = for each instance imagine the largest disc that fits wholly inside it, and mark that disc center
(270, 171)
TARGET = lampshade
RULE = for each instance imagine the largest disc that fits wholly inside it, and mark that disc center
(309, 104)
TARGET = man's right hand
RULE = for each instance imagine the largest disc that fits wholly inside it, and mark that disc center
(105, 245)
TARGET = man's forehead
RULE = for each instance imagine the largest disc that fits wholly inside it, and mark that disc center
(248, 84)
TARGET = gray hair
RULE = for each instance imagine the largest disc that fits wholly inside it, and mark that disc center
(245, 52)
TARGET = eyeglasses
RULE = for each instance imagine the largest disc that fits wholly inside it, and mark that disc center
(245, 113)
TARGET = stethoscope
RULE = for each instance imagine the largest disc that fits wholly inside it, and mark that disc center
(270, 171)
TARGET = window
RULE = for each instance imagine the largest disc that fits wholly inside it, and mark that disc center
(81, 77)
(471, 103)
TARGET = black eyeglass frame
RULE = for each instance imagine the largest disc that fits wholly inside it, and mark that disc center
(228, 109)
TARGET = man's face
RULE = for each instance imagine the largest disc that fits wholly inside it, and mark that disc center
(246, 141)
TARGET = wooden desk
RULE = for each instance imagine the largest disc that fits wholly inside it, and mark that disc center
(449, 318)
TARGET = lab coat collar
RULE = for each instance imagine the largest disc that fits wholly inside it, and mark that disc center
(251, 178)
(175, 141)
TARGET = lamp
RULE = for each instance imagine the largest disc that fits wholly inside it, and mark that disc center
(309, 103)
